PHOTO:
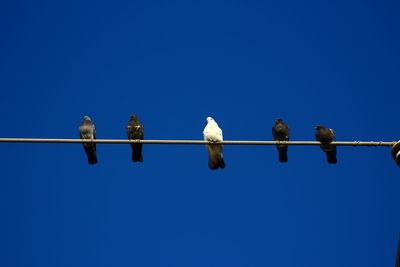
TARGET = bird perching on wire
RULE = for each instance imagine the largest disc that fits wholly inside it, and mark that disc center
(326, 136)
(213, 134)
(281, 132)
(135, 131)
(396, 153)
(87, 130)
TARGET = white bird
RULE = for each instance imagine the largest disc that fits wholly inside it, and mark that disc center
(213, 133)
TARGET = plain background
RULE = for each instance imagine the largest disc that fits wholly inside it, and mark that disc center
(173, 63)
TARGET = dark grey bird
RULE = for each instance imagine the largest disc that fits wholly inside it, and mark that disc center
(281, 132)
(326, 136)
(135, 131)
(87, 130)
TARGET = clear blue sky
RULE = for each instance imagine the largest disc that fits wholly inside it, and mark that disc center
(173, 63)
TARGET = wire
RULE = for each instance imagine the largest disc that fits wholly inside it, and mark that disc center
(190, 142)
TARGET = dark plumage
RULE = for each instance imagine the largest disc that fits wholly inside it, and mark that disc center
(398, 254)
(135, 131)
(326, 136)
(216, 160)
(396, 153)
(281, 132)
(87, 130)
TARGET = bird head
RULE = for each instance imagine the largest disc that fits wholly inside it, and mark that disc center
(209, 119)
(133, 117)
(86, 118)
(278, 120)
(318, 127)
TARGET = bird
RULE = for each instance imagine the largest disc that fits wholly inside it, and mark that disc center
(87, 130)
(135, 131)
(212, 133)
(281, 132)
(326, 136)
(398, 254)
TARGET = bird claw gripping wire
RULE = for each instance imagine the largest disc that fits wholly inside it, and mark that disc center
(356, 143)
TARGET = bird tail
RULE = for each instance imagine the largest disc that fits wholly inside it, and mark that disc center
(214, 164)
(283, 153)
(91, 154)
(221, 163)
(137, 153)
(283, 156)
(331, 156)
(92, 159)
(216, 160)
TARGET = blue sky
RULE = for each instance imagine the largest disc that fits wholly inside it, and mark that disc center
(173, 63)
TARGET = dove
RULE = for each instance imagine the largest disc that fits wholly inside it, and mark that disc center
(87, 130)
(212, 133)
(326, 136)
(135, 131)
(281, 131)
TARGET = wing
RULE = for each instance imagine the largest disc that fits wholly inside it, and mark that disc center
(219, 135)
(129, 131)
(333, 134)
(80, 132)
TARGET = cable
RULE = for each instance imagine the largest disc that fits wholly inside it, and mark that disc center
(190, 142)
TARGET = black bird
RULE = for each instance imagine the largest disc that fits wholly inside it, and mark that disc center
(135, 131)
(281, 132)
(87, 130)
(326, 136)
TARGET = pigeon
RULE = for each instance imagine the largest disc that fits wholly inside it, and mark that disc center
(135, 131)
(396, 153)
(212, 133)
(281, 132)
(326, 136)
(87, 130)
(398, 254)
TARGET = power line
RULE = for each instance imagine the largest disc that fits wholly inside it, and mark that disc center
(395, 145)
(192, 142)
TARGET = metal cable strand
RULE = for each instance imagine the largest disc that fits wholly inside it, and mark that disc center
(190, 142)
